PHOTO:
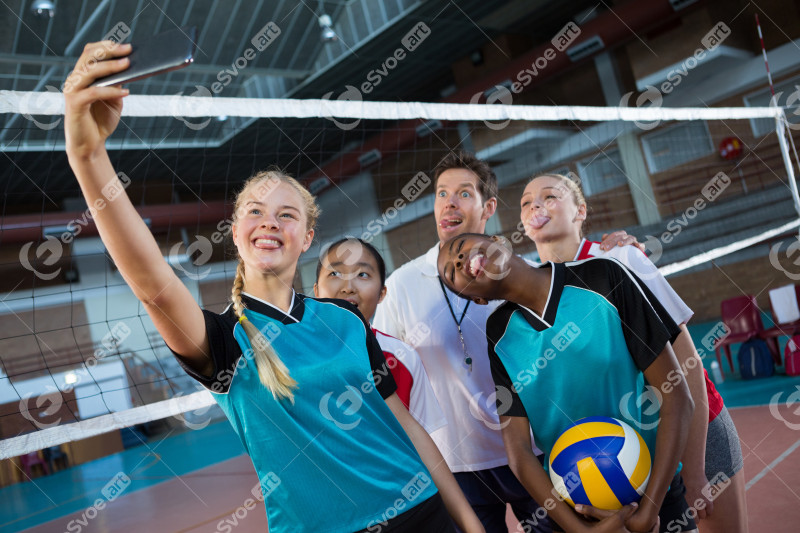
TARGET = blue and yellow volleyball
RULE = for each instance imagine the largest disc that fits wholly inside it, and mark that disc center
(600, 461)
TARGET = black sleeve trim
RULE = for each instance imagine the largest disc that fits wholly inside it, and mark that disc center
(507, 399)
(225, 353)
(386, 385)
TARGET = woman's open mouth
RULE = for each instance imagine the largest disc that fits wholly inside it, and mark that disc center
(267, 243)
(538, 221)
(476, 265)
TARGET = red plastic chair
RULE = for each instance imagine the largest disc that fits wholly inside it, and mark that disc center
(742, 317)
(780, 329)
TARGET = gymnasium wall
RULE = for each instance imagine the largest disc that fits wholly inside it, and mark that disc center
(675, 188)
(703, 291)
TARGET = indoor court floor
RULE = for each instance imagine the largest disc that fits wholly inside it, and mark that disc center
(169, 491)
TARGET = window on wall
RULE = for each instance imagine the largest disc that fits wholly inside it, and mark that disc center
(787, 95)
(601, 172)
(676, 145)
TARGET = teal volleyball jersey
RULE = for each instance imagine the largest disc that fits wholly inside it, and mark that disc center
(600, 329)
(337, 459)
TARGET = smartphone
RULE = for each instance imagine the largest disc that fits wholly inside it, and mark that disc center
(171, 50)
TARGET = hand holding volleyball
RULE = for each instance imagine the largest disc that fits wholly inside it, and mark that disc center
(622, 520)
(600, 461)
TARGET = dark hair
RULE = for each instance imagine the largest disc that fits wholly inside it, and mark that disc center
(487, 181)
(374, 251)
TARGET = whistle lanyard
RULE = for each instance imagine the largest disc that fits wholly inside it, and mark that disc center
(458, 321)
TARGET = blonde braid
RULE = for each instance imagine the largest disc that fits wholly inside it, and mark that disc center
(272, 372)
(236, 291)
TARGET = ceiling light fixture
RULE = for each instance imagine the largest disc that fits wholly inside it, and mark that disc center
(43, 9)
(328, 35)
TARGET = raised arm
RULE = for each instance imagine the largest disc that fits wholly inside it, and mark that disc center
(91, 115)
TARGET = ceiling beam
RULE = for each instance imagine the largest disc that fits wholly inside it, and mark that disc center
(614, 27)
(76, 39)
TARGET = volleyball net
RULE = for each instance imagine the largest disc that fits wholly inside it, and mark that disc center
(79, 357)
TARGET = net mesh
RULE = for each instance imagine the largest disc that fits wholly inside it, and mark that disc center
(80, 357)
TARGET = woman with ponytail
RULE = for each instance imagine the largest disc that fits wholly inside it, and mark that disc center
(553, 211)
(333, 449)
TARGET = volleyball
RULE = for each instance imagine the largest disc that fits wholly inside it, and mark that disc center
(600, 461)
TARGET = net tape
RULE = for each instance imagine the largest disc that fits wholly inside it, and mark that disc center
(98, 425)
(52, 103)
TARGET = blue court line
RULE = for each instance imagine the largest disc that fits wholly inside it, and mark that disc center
(24, 505)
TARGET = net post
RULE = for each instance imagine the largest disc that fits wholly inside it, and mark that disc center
(780, 130)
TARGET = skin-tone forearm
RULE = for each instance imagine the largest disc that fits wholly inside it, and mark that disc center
(531, 474)
(125, 235)
(455, 501)
(136, 254)
(91, 115)
(676, 406)
(694, 455)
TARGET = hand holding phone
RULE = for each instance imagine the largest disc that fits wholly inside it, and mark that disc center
(171, 50)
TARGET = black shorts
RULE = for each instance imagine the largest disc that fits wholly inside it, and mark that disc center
(488, 491)
(429, 516)
(675, 513)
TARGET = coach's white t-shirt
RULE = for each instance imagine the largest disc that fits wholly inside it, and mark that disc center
(415, 311)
